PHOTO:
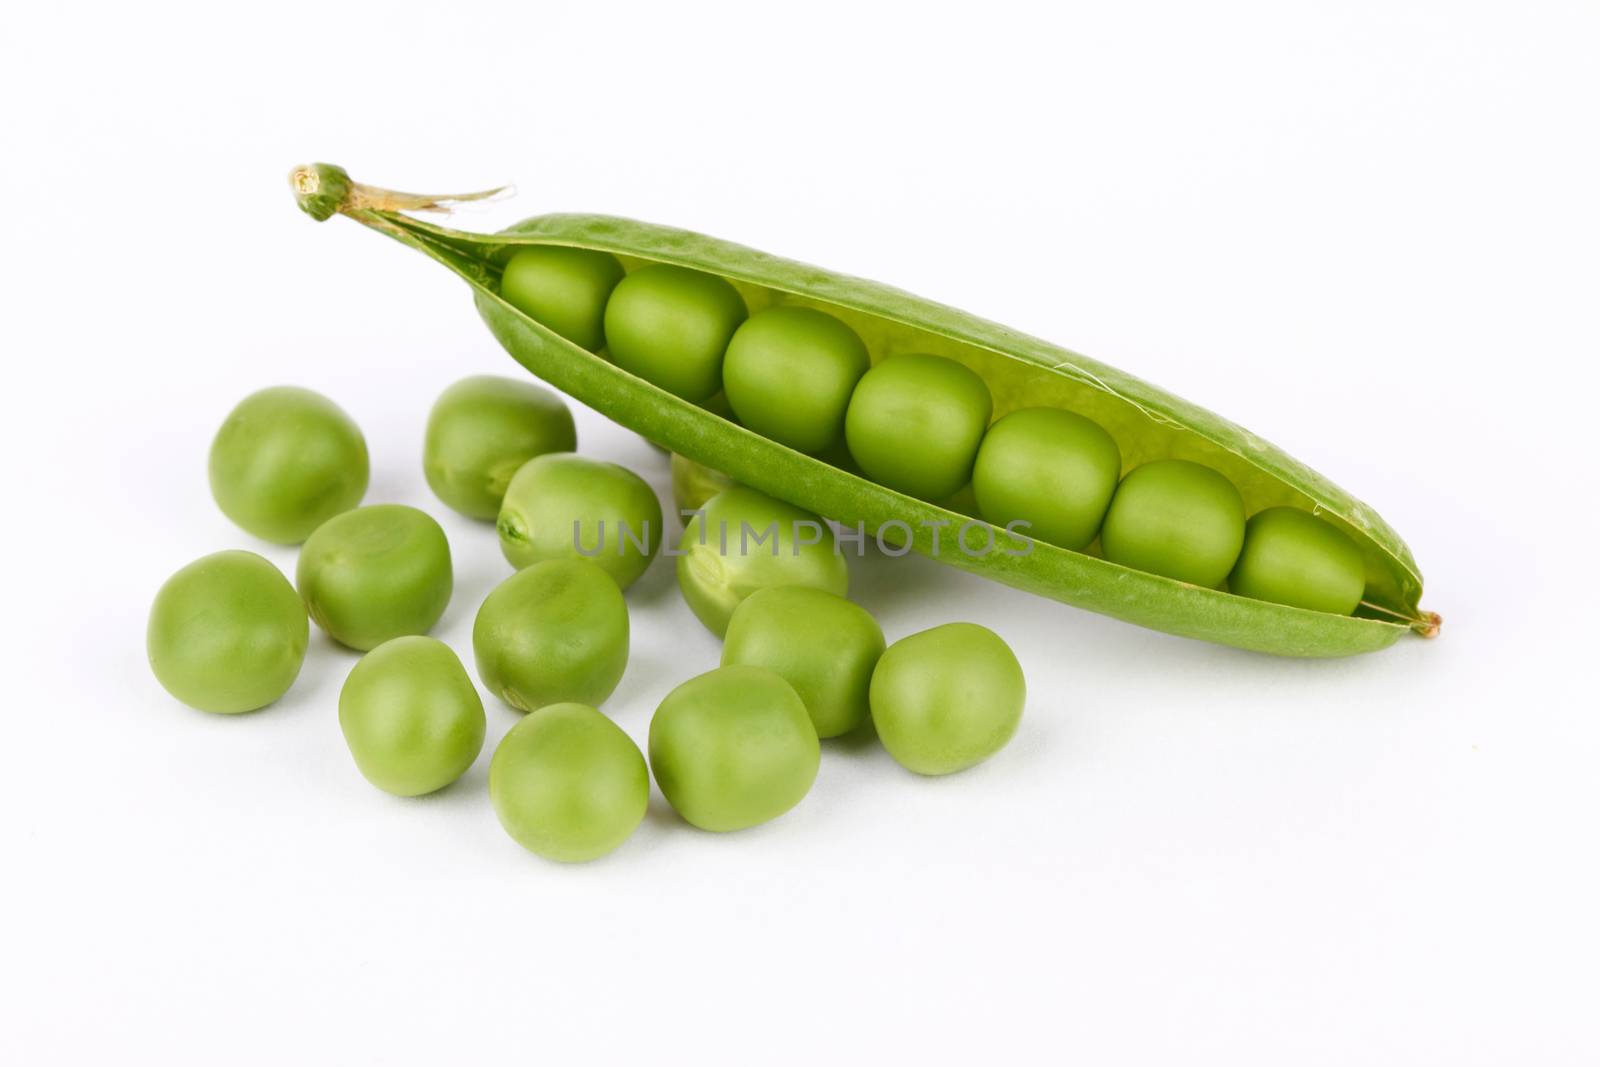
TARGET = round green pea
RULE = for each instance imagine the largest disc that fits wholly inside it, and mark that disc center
(789, 373)
(568, 784)
(947, 698)
(671, 325)
(227, 633)
(552, 633)
(915, 422)
(568, 507)
(481, 430)
(694, 483)
(563, 289)
(1177, 519)
(411, 716)
(1053, 469)
(1292, 557)
(374, 574)
(733, 748)
(743, 541)
(285, 461)
(821, 644)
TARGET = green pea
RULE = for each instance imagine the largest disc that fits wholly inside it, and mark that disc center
(733, 748)
(552, 633)
(1177, 519)
(744, 541)
(1292, 557)
(227, 633)
(411, 716)
(1053, 469)
(567, 507)
(568, 784)
(947, 698)
(563, 289)
(914, 424)
(694, 483)
(481, 430)
(821, 644)
(375, 573)
(789, 374)
(285, 461)
(671, 326)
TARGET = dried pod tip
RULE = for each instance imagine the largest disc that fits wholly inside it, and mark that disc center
(320, 189)
(323, 190)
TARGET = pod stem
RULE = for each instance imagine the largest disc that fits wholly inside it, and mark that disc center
(323, 190)
(1426, 624)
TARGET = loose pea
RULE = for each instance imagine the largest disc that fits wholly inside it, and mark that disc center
(227, 633)
(789, 374)
(285, 461)
(563, 289)
(481, 430)
(568, 507)
(375, 573)
(744, 541)
(694, 483)
(671, 325)
(914, 424)
(552, 633)
(568, 784)
(733, 748)
(821, 644)
(1052, 469)
(1292, 557)
(1177, 519)
(411, 716)
(947, 698)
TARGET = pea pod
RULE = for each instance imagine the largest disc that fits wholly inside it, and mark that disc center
(1019, 370)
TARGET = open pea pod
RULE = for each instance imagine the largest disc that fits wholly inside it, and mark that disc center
(1019, 370)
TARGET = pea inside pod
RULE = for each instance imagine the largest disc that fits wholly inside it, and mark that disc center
(1292, 557)
(906, 483)
(1178, 519)
(790, 373)
(566, 289)
(1050, 469)
(671, 326)
(915, 423)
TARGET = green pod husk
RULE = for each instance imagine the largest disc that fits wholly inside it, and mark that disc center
(1147, 422)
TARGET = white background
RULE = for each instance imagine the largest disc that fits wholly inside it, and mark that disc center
(1366, 231)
